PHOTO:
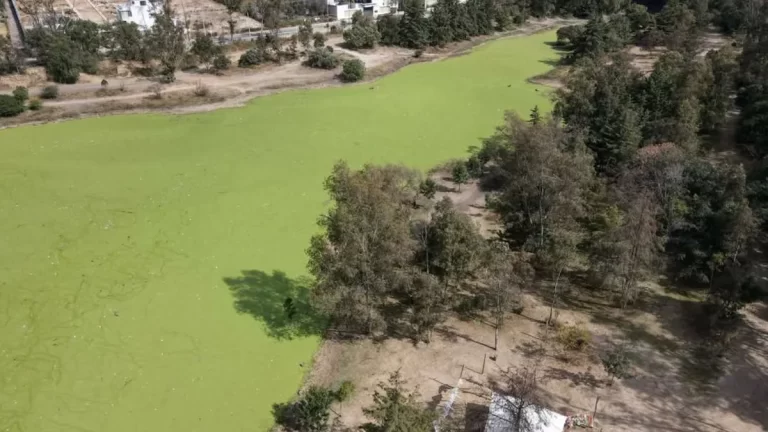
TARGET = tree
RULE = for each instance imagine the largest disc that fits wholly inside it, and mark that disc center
(126, 41)
(521, 400)
(459, 174)
(715, 223)
(535, 117)
(396, 410)
(505, 275)
(166, 39)
(233, 7)
(717, 102)
(363, 33)
(353, 70)
(413, 31)
(545, 180)
(318, 40)
(309, 413)
(10, 59)
(205, 49)
(428, 188)
(389, 29)
(598, 101)
(616, 363)
(305, 34)
(365, 245)
(63, 59)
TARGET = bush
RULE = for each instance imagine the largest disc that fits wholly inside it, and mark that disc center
(363, 33)
(201, 90)
(21, 94)
(221, 62)
(35, 104)
(322, 59)
(309, 413)
(10, 106)
(252, 57)
(418, 53)
(50, 92)
(574, 338)
(157, 91)
(318, 40)
(353, 70)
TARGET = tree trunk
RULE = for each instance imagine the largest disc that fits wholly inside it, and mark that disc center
(554, 297)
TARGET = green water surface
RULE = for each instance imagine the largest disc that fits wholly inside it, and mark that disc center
(121, 239)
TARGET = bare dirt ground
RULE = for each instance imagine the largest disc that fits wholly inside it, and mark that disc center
(672, 387)
(669, 391)
(469, 199)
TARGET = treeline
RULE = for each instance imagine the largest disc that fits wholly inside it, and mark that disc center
(617, 180)
(388, 259)
(451, 20)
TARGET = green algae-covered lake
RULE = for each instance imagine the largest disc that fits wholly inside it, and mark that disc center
(144, 259)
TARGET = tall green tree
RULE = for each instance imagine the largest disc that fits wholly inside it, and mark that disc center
(166, 41)
(366, 243)
(395, 409)
(414, 28)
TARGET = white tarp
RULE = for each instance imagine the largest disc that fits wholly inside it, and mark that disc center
(500, 419)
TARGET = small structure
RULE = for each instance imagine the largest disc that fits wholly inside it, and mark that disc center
(140, 12)
(343, 10)
(501, 419)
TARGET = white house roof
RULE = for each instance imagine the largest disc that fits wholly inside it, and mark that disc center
(500, 418)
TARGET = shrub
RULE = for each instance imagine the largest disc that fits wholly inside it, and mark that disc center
(35, 104)
(318, 40)
(221, 62)
(353, 70)
(418, 53)
(329, 48)
(21, 94)
(309, 413)
(574, 338)
(252, 57)
(156, 90)
(50, 92)
(322, 59)
(10, 106)
(201, 90)
(345, 391)
(363, 33)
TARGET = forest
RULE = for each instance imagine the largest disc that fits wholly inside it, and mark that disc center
(619, 182)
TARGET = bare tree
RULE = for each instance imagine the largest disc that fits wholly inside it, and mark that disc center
(233, 7)
(505, 274)
(522, 401)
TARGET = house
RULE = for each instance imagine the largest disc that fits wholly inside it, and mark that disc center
(341, 10)
(139, 12)
(501, 418)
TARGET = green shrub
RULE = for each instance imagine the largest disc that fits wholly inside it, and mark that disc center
(345, 391)
(35, 104)
(21, 94)
(252, 57)
(322, 59)
(221, 62)
(363, 33)
(353, 70)
(309, 413)
(50, 92)
(10, 106)
(318, 40)
(574, 338)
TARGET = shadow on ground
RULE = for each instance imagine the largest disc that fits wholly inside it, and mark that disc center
(263, 295)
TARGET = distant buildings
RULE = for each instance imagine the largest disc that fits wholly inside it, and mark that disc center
(342, 10)
(140, 12)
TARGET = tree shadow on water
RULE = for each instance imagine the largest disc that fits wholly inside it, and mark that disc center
(263, 296)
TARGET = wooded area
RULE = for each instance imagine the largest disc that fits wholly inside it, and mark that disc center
(617, 182)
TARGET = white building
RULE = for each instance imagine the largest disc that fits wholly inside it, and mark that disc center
(501, 418)
(343, 10)
(140, 12)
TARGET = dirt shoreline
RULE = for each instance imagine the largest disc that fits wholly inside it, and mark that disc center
(232, 91)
